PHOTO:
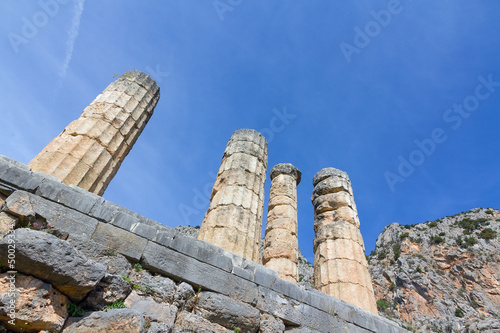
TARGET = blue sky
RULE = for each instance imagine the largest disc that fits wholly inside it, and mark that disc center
(402, 95)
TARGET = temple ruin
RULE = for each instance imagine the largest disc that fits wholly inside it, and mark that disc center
(90, 150)
(281, 243)
(234, 219)
(340, 266)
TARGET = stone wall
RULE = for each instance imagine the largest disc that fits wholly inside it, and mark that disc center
(228, 284)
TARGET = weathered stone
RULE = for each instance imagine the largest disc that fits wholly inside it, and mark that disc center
(7, 223)
(281, 243)
(340, 267)
(179, 266)
(37, 305)
(23, 204)
(110, 289)
(227, 312)
(271, 324)
(152, 310)
(234, 219)
(90, 150)
(114, 262)
(110, 321)
(55, 261)
(190, 322)
(114, 238)
(161, 287)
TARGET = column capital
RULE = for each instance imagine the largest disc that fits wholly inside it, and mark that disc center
(286, 169)
(329, 172)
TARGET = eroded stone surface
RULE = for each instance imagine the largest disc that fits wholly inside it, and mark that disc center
(234, 219)
(110, 321)
(340, 266)
(55, 261)
(90, 150)
(38, 306)
(281, 240)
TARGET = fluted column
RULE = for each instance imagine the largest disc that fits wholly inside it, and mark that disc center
(340, 266)
(281, 244)
(90, 150)
(234, 219)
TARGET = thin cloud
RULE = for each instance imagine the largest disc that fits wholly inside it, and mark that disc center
(70, 43)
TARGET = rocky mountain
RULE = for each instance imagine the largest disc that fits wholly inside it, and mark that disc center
(440, 276)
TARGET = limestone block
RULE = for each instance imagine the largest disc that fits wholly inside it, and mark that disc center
(54, 260)
(227, 312)
(190, 322)
(234, 219)
(7, 223)
(38, 306)
(110, 289)
(90, 150)
(110, 321)
(340, 267)
(152, 310)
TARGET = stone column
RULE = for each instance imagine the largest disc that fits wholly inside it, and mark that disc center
(90, 150)
(340, 266)
(234, 219)
(281, 244)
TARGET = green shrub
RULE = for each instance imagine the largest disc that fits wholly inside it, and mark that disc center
(442, 234)
(116, 305)
(436, 240)
(382, 305)
(74, 310)
(404, 235)
(470, 225)
(418, 270)
(138, 267)
(470, 241)
(397, 251)
(392, 286)
(433, 224)
(487, 233)
(459, 313)
(418, 240)
(489, 211)
(382, 255)
(474, 304)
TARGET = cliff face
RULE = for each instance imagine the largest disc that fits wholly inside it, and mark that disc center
(441, 276)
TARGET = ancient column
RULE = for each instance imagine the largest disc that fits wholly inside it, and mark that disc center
(340, 266)
(90, 150)
(234, 219)
(281, 243)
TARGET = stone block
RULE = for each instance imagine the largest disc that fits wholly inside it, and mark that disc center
(164, 237)
(123, 242)
(144, 230)
(246, 274)
(203, 251)
(21, 178)
(110, 321)
(265, 278)
(190, 322)
(55, 261)
(124, 221)
(105, 210)
(227, 312)
(152, 310)
(300, 314)
(73, 197)
(181, 267)
(38, 306)
(22, 204)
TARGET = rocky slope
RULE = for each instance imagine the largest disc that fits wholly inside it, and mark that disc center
(440, 276)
